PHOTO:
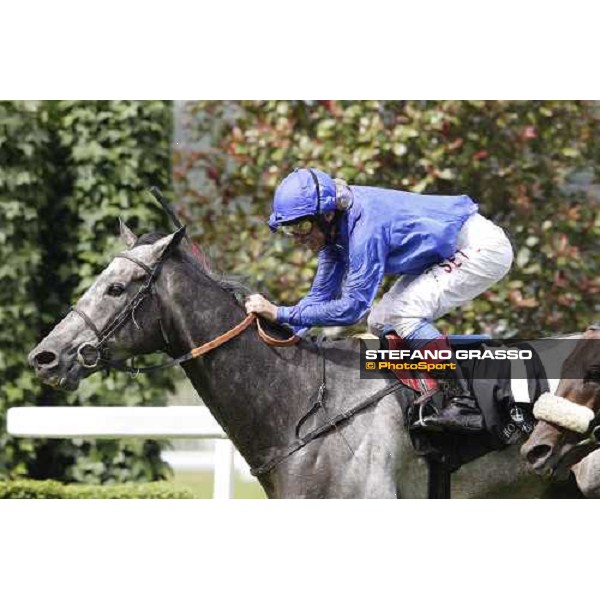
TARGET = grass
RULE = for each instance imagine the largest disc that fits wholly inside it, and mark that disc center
(201, 484)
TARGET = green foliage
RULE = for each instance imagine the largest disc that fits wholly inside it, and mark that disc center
(520, 160)
(22, 193)
(49, 489)
(68, 170)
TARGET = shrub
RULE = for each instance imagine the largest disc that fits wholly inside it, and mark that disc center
(48, 489)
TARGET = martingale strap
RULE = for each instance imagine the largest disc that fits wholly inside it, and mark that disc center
(325, 428)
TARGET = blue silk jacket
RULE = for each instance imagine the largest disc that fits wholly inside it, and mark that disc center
(383, 232)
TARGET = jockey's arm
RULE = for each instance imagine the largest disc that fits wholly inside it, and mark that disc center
(328, 278)
(325, 286)
(365, 272)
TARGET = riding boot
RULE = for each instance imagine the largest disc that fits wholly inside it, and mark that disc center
(460, 415)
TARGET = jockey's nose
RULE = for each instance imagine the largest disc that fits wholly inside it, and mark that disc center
(43, 360)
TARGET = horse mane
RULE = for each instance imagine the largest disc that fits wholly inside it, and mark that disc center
(198, 261)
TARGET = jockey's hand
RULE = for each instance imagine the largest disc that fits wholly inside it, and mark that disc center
(261, 306)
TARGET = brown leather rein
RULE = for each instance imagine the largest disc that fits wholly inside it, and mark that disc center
(239, 328)
(207, 347)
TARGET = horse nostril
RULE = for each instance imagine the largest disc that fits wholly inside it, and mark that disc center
(539, 452)
(44, 359)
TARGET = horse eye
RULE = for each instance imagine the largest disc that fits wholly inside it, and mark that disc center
(115, 289)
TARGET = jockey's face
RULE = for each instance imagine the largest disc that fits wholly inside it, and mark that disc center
(315, 238)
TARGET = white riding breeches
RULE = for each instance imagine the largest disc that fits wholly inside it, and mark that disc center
(483, 256)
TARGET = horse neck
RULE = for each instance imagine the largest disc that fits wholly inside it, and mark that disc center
(248, 386)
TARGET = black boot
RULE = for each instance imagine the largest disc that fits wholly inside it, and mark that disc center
(460, 415)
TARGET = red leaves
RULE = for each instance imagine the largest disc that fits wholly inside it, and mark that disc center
(212, 173)
(559, 280)
(179, 173)
(517, 299)
(566, 249)
(565, 300)
(481, 155)
(456, 144)
(529, 133)
(332, 106)
(562, 244)
(523, 202)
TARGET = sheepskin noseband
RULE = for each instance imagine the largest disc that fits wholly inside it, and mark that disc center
(560, 411)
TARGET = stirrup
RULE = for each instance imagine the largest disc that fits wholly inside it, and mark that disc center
(422, 407)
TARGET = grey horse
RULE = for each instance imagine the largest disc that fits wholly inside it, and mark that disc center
(156, 297)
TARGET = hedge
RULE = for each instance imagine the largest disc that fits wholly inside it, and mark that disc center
(68, 170)
(49, 489)
(23, 193)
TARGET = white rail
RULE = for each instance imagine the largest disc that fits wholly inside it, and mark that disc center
(168, 422)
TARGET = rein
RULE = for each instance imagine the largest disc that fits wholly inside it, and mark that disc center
(128, 312)
(207, 347)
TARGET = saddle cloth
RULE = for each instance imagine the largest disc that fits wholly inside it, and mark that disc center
(506, 391)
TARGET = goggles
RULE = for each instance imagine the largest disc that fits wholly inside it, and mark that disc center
(299, 228)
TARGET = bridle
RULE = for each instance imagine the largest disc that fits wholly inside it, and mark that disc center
(127, 313)
(591, 436)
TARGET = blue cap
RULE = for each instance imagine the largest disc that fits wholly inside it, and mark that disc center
(303, 193)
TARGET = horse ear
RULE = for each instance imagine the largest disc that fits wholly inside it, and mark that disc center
(167, 244)
(127, 236)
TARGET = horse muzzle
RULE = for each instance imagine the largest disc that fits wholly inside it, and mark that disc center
(88, 355)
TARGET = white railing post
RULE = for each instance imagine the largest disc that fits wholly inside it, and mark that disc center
(223, 471)
(168, 422)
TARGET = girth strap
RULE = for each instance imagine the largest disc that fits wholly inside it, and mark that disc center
(439, 481)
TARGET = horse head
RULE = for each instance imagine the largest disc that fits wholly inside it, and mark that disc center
(567, 428)
(116, 318)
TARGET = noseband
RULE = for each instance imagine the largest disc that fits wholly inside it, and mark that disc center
(589, 429)
(100, 351)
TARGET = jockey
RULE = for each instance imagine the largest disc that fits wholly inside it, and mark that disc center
(446, 252)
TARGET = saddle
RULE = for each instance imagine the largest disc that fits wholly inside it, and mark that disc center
(505, 391)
